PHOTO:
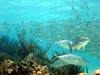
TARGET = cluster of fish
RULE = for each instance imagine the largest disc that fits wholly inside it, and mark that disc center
(4, 29)
(77, 44)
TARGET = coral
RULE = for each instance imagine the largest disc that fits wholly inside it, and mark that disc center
(28, 58)
(96, 72)
(82, 74)
(11, 68)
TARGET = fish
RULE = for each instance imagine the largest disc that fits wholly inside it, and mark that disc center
(56, 62)
(78, 43)
(64, 43)
(62, 60)
(40, 40)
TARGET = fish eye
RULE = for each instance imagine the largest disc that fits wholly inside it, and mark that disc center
(85, 38)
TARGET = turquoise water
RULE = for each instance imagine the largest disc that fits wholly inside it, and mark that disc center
(55, 20)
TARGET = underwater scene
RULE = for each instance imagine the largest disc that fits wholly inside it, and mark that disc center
(50, 37)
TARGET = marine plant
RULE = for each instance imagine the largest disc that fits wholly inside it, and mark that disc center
(67, 70)
(9, 47)
(3, 56)
(25, 48)
(32, 56)
(74, 70)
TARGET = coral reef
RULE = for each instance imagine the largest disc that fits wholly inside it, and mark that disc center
(11, 68)
(25, 57)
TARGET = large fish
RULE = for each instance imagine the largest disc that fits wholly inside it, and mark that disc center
(77, 44)
(59, 61)
(56, 62)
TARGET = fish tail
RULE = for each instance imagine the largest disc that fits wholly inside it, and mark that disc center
(50, 45)
(54, 54)
(70, 47)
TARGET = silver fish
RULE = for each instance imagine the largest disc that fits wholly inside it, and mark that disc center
(56, 63)
(78, 43)
(62, 60)
(64, 43)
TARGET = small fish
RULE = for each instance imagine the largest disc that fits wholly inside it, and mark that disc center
(40, 40)
(62, 60)
(78, 43)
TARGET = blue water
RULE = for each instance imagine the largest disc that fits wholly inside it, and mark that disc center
(15, 11)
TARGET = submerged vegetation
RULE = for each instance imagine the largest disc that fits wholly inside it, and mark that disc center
(24, 56)
(67, 70)
(18, 57)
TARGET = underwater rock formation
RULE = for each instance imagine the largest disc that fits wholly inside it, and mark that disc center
(82, 74)
(12, 68)
(96, 72)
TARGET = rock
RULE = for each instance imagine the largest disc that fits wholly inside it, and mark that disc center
(39, 73)
(8, 63)
(96, 72)
(82, 74)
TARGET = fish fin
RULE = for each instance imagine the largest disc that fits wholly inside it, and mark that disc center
(55, 55)
(70, 47)
(50, 46)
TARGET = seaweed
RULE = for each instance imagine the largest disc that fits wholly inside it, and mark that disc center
(74, 70)
(25, 48)
(9, 47)
(67, 70)
(3, 56)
